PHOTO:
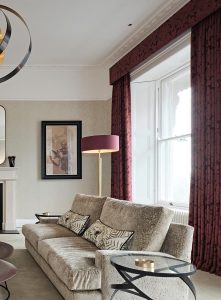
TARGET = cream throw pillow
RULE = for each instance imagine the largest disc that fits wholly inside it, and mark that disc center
(107, 238)
(73, 221)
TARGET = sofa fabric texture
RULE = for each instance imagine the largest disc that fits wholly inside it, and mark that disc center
(149, 223)
(48, 220)
(178, 241)
(35, 233)
(73, 261)
(107, 238)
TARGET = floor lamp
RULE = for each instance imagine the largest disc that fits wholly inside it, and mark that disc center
(99, 144)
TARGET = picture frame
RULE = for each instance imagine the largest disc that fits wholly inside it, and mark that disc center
(61, 156)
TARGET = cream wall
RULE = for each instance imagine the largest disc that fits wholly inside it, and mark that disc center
(23, 135)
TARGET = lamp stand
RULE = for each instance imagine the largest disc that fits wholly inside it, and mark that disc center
(99, 174)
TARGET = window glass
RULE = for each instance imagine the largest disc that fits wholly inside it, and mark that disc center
(174, 161)
(175, 105)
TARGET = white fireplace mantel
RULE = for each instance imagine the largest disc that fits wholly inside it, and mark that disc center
(8, 177)
(7, 173)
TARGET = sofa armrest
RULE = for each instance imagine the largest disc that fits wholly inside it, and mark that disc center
(178, 241)
(154, 287)
(48, 220)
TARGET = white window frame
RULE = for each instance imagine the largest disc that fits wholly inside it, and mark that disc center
(159, 99)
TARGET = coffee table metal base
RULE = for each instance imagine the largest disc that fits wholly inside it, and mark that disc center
(129, 287)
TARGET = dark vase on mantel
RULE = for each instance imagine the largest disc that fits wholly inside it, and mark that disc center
(11, 160)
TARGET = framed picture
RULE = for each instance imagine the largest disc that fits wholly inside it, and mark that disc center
(61, 149)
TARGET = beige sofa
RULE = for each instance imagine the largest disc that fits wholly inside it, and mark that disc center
(80, 271)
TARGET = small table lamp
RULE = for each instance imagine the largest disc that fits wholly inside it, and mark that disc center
(99, 144)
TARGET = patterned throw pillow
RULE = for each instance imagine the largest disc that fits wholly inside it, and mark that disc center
(73, 221)
(107, 238)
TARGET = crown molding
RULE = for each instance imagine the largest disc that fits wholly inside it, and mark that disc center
(157, 19)
(62, 99)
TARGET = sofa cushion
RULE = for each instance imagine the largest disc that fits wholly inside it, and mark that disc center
(88, 205)
(73, 261)
(107, 238)
(149, 223)
(75, 222)
(37, 232)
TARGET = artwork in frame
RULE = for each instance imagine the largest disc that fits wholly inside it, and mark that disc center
(61, 149)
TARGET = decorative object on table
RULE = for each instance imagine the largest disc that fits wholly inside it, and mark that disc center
(46, 213)
(99, 144)
(144, 263)
(4, 40)
(11, 160)
(163, 267)
(2, 134)
(61, 150)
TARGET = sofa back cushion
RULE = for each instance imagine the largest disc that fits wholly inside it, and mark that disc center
(149, 223)
(88, 205)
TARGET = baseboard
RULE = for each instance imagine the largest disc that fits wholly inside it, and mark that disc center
(21, 222)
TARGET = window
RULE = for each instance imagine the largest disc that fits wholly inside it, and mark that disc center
(161, 139)
(174, 139)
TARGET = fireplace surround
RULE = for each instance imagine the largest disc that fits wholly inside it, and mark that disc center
(8, 177)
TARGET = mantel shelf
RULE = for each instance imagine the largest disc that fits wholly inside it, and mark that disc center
(8, 173)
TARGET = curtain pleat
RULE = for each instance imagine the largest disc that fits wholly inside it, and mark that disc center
(121, 182)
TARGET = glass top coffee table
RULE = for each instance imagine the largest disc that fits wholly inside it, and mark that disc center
(149, 265)
(47, 215)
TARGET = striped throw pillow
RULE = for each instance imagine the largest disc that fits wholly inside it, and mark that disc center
(107, 238)
(73, 221)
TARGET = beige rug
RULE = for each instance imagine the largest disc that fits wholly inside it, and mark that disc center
(30, 283)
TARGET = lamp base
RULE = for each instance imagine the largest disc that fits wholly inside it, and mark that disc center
(99, 174)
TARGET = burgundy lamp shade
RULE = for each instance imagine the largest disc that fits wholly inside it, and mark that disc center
(100, 144)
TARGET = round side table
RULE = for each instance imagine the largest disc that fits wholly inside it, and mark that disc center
(163, 267)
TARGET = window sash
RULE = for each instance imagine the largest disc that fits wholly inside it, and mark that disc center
(160, 139)
(165, 186)
(140, 96)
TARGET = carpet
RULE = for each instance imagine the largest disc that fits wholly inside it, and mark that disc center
(30, 283)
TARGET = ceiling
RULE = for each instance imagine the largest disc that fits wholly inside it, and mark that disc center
(82, 32)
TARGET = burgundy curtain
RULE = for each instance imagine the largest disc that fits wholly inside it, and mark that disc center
(121, 183)
(205, 196)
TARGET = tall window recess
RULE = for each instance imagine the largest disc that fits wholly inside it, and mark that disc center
(161, 138)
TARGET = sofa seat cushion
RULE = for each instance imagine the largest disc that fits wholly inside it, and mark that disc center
(73, 261)
(37, 232)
